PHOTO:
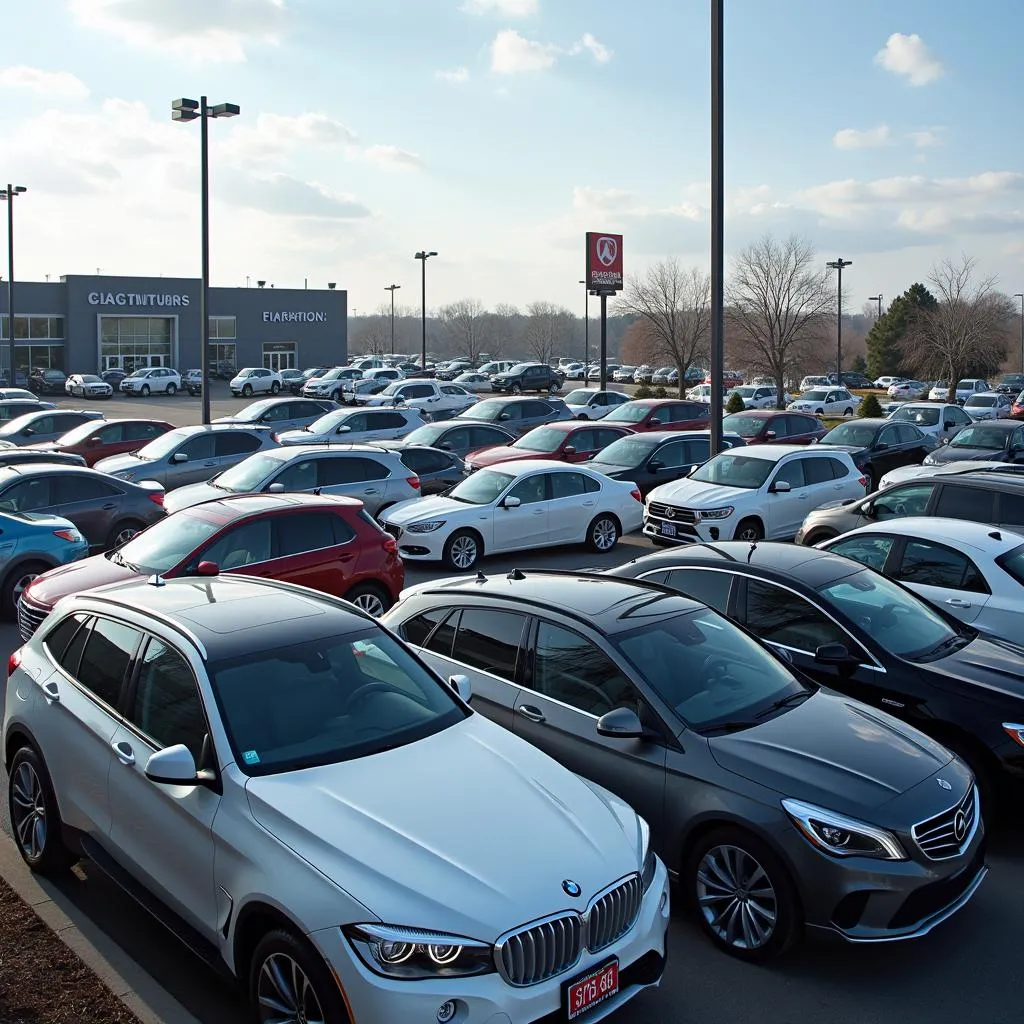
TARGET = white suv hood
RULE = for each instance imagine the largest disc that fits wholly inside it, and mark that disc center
(470, 830)
(692, 494)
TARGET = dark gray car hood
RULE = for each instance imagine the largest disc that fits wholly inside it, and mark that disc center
(833, 752)
(947, 453)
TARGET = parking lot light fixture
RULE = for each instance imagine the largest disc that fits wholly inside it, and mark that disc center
(392, 288)
(1020, 295)
(8, 195)
(424, 255)
(838, 266)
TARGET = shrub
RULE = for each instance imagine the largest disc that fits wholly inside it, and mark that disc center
(643, 392)
(735, 404)
(869, 406)
(660, 392)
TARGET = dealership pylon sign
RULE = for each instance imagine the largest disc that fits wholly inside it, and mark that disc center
(604, 262)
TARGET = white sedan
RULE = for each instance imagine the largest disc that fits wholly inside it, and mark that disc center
(907, 389)
(536, 503)
(592, 404)
(473, 380)
(757, 396)
(967, 569)
(826, 402)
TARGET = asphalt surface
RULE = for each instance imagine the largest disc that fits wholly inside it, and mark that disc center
(964, 971)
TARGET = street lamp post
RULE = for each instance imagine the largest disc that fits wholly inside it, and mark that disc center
(586, 330)
(9, 194)
(424, 255)
(717, 222)
(1020, 295)
(190, 110)
(838, 266)
(392, 288)
(877, 298)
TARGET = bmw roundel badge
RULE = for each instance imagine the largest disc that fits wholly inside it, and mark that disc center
(571, 888)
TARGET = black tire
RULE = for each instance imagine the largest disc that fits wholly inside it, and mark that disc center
(848, 412)
(123, 532)
(276, 960)
(372, 599)
(15, 582)
(247, 391)
(172, 390)
(465, 546)
(603, 533)
(144, 391)
(749, 530)
(767, 905)
(515, 389)
(553, 389)
(337, 396)
(819, 412)
(39, 840)
(275, 388)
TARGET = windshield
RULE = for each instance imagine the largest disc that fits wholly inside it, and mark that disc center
(482, 487)
(392, 389)
(162, 446)
(489, 409)
(247, 371)
(1012, 563)
(922, 416)
(329, 421)
(289, 708)
(165, 544)
(541, 439)
(581, 396)
(627, 451)
(859, 434)
(520, 367)
(708, 670)
(90, 378)
(966, 385)
(251, 413)
(987, 436)
(975, 401)
(817, 395)
(428, 434)
(629, 412)
(78, 434)
(734, 471)
(334, 374)
(894, 618)
(745, 426)
(248, 475)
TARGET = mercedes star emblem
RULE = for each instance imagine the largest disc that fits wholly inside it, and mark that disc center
(571, 888)
(944, 784)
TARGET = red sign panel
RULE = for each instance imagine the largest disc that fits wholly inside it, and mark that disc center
(604, 262)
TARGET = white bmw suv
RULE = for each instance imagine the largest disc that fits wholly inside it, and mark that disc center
(296, 794)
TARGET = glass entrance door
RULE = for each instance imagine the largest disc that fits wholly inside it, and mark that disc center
(280, 356)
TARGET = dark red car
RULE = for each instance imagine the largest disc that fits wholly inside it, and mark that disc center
(97, 439)
(772, 426)
(571, 441)
(659, 414)
(326, 543)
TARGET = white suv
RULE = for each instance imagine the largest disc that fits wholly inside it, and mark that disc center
(762, 491)
(254, 380)
(439, 399)
(242, 757)
(152, 380)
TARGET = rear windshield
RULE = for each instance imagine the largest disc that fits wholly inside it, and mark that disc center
(1012, 563)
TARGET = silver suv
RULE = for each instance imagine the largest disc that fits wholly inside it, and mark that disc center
(189, 455)
(378, 478)
(152, 380)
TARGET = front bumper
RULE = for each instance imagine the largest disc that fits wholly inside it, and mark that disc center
(421, 547)
(679, 531)
(488, 999)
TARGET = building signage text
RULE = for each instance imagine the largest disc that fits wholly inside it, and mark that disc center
(294, 318)
(136, 299)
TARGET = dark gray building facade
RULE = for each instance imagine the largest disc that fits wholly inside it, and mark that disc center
(85, 324)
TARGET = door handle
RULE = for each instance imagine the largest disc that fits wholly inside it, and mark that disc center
(124, 752)
(109, 507)
(51, 691)
(958, 602)
(370, 490)
(539, 512)
(530, 712)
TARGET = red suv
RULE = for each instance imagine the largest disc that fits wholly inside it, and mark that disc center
(659, 414)
(771, 426)
(325, 543)
(97, 439)
(571, 441)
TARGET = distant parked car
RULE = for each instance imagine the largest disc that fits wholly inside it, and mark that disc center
(879, 445)
(114, 377)
(659, 414)
(437, 470)
(88, 385)
(436, 399)
(527, 377)
(813, 383)
(473, 380)
(98, 439)
(964, 389)
(355, 392)
(757, 396)
(289, 379)
(28, 456)
(569, 441)
(517, 414)
(1017, 411)
(850, 379)
(44, 425)
(624, 374)
(887, 382)
(252, 380)
(993, 440)
(988, 405)
(47, 382)
(940, 421)
(730, 378)
(591, 404)
(187, 455)
(594, 373)
(20, 394)
(494, 366)
(453, 368)
(907, 389)
(826, 402)
(355, 426)
(770, 426)
(459, 437)
(34, 543)
(644, 375)
(151, 380)
(192, 382)
(665, 375)
(12, 408)
(1010, 384)
(281, 414)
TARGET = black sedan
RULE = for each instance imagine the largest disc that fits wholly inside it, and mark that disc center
(48, 382)
(35, 456)
(438, 470)
(657, 457)
(460, 438)
(879, 445)
(296, 384)
(853, 630)
(989, 441)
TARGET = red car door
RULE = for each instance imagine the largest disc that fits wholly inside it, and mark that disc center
(315, 549)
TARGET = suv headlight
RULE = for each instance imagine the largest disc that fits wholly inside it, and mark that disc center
(840, 836)
(648, 858)
(715, 513)
(412, 954)
(430, 527)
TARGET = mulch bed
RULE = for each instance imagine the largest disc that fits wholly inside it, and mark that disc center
(41, 980)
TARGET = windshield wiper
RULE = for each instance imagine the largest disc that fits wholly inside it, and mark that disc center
(947, 645)
(724, 727)
(118, 559)
(785, 702)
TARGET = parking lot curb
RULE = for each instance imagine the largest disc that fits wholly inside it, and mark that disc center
(137, 989)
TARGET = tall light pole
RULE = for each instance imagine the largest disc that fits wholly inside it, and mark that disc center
(838, 266)
(717, 222)
(1020, 295)
(424, 256)
(877, 298)
(392, 288)
(9, 194)
(189, 110)
(586, 331)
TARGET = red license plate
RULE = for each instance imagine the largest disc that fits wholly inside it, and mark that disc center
(585, 993)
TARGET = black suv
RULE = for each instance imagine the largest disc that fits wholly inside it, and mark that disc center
(528, 377)
(48, 382)
(1010, 384)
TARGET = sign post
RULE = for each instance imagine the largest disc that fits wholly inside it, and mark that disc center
(604, 278)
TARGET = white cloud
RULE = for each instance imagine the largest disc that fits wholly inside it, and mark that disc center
(926, 138)
(456, 75)
(392, 156)
(61, 84)
(910, 57)
(275, 136)
(283, 195)
(602, 199)
(202, 30)
(513, 54)
(598, 50)
(508, 8)
(870, 138)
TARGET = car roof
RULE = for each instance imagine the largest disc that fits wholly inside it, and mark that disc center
(612, 604)
(238, 506)
(1007, 425)
(756, 414)
(986, 394)
(205, 428)
(775, 452)
(963, 533)
(295, 451)
(653, 403)
(521, 467)
(28, 469)
(874, 421)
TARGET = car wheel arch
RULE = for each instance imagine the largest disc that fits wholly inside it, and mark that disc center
(256, 919)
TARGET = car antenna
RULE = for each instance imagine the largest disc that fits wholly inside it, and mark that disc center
(996, 535)
(317, 490)
(516, 574)
(480, 577)
(750, 553)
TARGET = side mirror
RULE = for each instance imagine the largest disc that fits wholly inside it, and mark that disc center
(172, 766)
(179, 457)
(504, 416)
(654, 421)
(655, 465)
(769, 435)
(343, 429)
(780, 487)
(832, 654)
(92, 442)
(621, 724)
(462, 686)
(881, 446)
(206, 568)
(445, 446)
(28, 431)
(511, 502)
(948, 425)
(276, 488)
(569, 450)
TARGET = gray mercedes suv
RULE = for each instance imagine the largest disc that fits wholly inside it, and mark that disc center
(780, 806)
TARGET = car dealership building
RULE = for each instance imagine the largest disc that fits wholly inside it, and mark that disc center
(85, 324)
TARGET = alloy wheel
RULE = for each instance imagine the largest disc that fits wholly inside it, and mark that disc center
(20, 586)
(605, 535)
(285, 993)
(463, 552)
(736, 897)
(123, 536)
(369, 603)
(28, 811)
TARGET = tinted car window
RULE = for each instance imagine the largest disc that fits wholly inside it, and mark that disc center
(425, 460)
(307, 531)
(819, 471)
(704, 585)
(1011, 509)
(956, 502)
(199, 447)
(108, 652)
(534, 408)
(236, 442)
(300, 476)
(26, 496)
(142, 431)
(903, 501)
(871, 549)
(166, 704)
(698, 450)
(477, 437)
(489, 640)
(781, 617)
(441, 640)
(791, 472)
(110, 434)
(350, 471)
(935, 565)
(567, 485)
(416, 630)
(385, 421)
(246, 544)
(57, 639)
(530, 489)
(78, 487)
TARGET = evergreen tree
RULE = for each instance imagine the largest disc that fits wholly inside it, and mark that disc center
(885, 352)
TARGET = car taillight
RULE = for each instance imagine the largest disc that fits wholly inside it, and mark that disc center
(636, 494)
(276, 438)
(69, 535)
(13, 662)
(157, 496)
(413, 482)
(863, 481)
(390, 545)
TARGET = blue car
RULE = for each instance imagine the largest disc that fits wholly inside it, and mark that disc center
(32, 543)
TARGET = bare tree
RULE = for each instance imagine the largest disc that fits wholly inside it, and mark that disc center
(466, 323)
(673, 306)
(548, 329)
(967, 330)
(373, 335)
(779, 304)
(504, 328)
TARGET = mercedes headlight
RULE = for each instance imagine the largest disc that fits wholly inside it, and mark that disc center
(840, 836)
(412, 954)
(715, 513)
(428, 527)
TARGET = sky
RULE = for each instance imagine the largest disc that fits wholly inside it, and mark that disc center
(497, 132)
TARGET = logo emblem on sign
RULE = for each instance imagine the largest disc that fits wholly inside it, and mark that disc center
(944, 784)
(571, 888)
(607, 250)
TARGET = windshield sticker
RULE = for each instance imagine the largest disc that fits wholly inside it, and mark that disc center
(251, 757)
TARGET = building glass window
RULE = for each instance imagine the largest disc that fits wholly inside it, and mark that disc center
(280, 355)
(42, 328)
(222, 327)
(223, 361)
(131, 342)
